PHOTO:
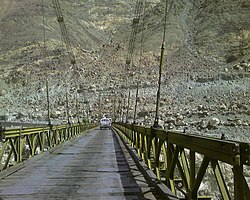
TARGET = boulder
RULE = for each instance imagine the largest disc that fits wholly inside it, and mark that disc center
(2, 92)
(213, 123)
(179, 116)
(170, 126)
(201, 107)
(203, 113)
(227, 123)
(234, 107)
(203, 124)
(20, 115)
(235, 122)
(180, 123)
(170, 120)
(238, 122)
(194, 123)
(162, 103)
(161, 123)
(238, 67)
(244, 65)
(143, 113)
(245, 124)
(223, 107)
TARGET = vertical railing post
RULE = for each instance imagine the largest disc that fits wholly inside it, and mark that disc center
(170, 156)
(2, 129)
(19, 147)
(192, 173)
(149, 146)
(49, 138)
(239, 182)
(158, 145)
(131, 135)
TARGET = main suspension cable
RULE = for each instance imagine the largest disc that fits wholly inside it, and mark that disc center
(140, 63)
(64, 32)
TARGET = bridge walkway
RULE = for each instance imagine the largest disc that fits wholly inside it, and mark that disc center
(92, 166)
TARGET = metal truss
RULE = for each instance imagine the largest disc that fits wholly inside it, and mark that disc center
(173, 157)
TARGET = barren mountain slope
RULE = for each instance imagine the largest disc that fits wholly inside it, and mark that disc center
(206, 42)
(215, 29)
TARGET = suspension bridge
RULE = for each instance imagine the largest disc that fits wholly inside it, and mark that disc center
(80, 161)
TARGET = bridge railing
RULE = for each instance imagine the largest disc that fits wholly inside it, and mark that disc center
(183, 161)
(17, 145)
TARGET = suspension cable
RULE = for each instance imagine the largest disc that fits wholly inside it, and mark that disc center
(134, 32)
(44, 28)
(64, 32)
(156, 122)
(140, 63)
(45, 57)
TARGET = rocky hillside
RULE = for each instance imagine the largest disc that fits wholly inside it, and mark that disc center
(206, 70)
(25, 62)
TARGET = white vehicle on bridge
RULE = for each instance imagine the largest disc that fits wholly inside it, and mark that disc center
(105, 123)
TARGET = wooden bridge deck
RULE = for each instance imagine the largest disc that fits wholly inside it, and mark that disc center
(94, 166)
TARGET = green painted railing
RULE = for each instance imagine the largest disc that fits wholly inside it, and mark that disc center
(181, 161)
(17, 145)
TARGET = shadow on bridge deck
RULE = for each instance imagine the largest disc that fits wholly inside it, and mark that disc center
(135, 184)
(94, 166)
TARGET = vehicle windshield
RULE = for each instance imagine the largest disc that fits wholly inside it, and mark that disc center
(105, 120)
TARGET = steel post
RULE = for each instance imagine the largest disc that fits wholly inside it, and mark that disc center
(128, 106)
(48, 103)
(156, 122)
(136, 102)
(67, 102)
